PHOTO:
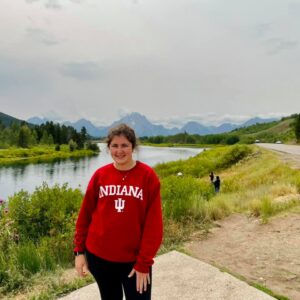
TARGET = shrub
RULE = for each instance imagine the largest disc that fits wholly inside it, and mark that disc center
(234, 155)
(72, 145)
(92, 146)
(45, 212)
(37, 233)
(183, 197)
(27, 258)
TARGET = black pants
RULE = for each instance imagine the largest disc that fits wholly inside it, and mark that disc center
(112, 278)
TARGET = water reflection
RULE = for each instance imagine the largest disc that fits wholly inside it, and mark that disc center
(76, 171)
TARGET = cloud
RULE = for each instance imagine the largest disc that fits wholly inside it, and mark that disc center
(20, 78)
(262, 29)
(81, 71)
(123, 111)
(51, 4)
(294, 8)
(54, 4)
(42, 36)
(277, 45)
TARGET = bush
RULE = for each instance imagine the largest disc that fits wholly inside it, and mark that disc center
(183, 197)
(27, 258)
(234, 155)
(72, 145)
(57, 147)
(37, 233)
(92, 146)
(45, 212)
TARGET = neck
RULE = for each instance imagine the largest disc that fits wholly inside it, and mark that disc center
(126, 167)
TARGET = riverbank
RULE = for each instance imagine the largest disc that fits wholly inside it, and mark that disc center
(39, 154)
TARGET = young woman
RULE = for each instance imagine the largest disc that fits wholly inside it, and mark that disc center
(119, 227)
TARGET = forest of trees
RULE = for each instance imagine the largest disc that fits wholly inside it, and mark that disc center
(185, 138)
(297, 127)
(23, 135)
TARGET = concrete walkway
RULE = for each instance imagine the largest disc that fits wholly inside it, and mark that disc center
(177, 276)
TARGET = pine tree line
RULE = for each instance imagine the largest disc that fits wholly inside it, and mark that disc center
(23, 135)
(297, 127)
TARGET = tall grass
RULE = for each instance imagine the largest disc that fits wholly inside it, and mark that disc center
(254, 181)
(200, 165)
(36, 234)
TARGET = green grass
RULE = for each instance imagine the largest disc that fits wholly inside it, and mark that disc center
(56, 289)
(39, 154)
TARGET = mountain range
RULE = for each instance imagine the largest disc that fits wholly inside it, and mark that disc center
(143, 127)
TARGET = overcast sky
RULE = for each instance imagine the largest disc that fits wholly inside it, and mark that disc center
(171, 60)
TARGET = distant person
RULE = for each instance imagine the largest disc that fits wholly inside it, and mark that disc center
(211, 176)
(119, 227)
(217, 184)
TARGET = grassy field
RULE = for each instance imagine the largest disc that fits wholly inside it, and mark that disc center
(36, 233)
(39, 154)
(254, 181)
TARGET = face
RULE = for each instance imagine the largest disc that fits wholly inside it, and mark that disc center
(121, 151)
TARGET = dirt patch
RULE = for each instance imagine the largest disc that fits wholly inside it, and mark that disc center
(291, 159)
(268, 254)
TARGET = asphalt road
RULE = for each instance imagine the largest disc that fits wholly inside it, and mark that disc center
(290, 149)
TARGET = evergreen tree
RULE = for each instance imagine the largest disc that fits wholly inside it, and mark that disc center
(297, 128)
(14, 134)
(83, 134)
(45, 138)
(24, 137)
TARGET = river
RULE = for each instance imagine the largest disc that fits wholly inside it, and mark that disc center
(78, 172)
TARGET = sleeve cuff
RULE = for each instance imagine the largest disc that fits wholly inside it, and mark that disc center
(141, 268)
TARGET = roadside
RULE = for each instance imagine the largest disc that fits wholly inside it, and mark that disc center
(287, 153)
(267, 254)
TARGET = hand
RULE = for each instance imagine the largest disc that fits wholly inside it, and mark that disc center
(81, 265)
(142, 279)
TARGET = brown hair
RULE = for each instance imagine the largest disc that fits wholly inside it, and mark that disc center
(125, 130)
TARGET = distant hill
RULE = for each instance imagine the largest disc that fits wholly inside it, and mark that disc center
(7, 120)
(265, 130)
(90, 127)
(280, 130)
(196, 128)
(258, 121)
(144, 127)
(37, 120)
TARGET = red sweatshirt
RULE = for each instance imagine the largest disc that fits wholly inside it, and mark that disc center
(120, 218)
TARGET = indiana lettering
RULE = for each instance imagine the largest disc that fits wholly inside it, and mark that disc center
(121, 190)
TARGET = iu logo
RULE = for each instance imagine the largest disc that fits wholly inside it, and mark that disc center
(119, 204)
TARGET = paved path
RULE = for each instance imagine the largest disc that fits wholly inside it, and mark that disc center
(291, 149)
(177, 276)
(289, 153)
